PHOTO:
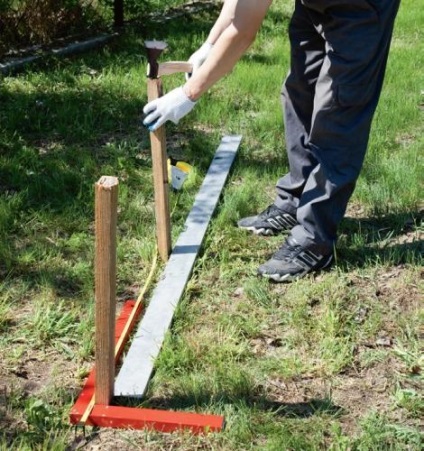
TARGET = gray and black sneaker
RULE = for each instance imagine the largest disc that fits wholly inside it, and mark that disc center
(271, 221)
(293, 261)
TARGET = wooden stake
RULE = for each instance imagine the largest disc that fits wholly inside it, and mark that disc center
(106, 200)
(160, 177)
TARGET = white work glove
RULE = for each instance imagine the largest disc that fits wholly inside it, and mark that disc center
(199, 57)
(170, 107)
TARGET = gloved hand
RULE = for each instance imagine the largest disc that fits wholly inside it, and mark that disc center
(170, 107)
(199, 57)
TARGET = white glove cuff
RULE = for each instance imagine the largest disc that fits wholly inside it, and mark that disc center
(206, 47)
(186, 96)
(182, 105)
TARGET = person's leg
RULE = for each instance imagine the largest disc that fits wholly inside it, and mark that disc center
(307, 52)
(307, 55)
(357, 38)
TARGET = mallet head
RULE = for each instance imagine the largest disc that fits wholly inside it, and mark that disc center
(154, 50)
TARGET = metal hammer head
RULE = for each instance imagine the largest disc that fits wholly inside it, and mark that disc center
(154, 50)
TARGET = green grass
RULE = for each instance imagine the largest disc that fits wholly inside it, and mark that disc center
(333, 361)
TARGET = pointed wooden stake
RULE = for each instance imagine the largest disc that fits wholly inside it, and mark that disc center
(160, 177)
(105, 286)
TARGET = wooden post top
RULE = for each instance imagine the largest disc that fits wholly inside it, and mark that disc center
(107, 181)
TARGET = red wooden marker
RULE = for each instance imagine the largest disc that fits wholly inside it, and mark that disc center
(138, 418)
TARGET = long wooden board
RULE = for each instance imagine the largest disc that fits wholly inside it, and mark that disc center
(137, 368)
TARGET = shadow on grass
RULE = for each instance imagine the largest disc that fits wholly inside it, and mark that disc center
(256, 402)
(394, 239)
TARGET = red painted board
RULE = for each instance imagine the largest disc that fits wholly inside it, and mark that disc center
(160, 420)
(138, 418)
(88, 390)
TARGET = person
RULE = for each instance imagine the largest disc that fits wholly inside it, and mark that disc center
(339, 51)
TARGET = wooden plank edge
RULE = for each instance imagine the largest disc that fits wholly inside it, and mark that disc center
(160, 420)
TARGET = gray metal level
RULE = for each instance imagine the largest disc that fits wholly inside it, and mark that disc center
(137, 368)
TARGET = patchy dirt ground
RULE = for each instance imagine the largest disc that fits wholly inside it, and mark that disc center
(349, 395)
(367, 384)
(379, 367)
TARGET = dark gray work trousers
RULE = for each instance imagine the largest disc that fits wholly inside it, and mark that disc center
(339, 50)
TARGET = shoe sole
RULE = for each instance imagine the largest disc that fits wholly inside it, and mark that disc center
(292, 277)
(263, 231)
(285, 278)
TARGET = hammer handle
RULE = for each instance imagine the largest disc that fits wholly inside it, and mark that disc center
(172, 67)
